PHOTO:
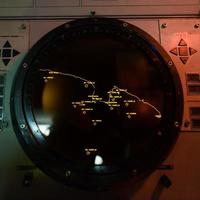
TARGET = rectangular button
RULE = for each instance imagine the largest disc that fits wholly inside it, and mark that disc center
(183, 51)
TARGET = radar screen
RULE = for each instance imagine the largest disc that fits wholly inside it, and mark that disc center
(99, 99)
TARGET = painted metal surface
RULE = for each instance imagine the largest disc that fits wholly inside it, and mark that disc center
(178, 36)
(14, 39)
(39, 8)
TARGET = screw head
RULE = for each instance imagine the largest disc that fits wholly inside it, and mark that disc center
(92, 12)
(23, 26)
(125, 24)
(170, 63)
(164, 25)
(196, 25)
(22, 126)
(25, 65)
(176, 124)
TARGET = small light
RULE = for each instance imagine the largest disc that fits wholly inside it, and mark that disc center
(86, 85)
(45, 129)
(126, 104)
(98, 160)
(84, 112)
(158, 116)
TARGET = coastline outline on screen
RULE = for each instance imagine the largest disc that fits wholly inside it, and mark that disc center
(114, 96)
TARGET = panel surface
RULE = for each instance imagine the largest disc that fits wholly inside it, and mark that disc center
(16, 4)
(138, 2)
(14, 40)
(181, 39)
(47, 3)
(45, 8)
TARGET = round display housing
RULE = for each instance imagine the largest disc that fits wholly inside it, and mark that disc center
(96, 101)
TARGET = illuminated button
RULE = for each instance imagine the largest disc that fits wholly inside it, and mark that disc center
(184, 59)
(174, 51)
(7, 53)
(192, 51)
(15, 53)
(182, 43)
(183, 51)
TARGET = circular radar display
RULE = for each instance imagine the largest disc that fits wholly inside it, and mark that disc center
(96, 101)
